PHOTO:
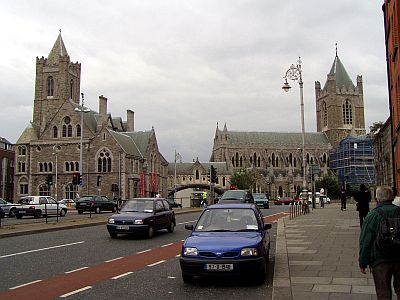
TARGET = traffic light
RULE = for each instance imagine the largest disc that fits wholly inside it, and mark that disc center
(75, 178)
(80, 180)
(213, 174)
(49, 180)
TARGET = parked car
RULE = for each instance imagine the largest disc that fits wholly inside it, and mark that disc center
(285, 200)
(95, 203)
(237, 196)
(67, 202)
(8, 208)
(142, 216)
(38, 206)
(261, 200)
(2, 214)
(227, 240)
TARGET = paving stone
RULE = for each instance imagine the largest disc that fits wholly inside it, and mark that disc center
(305, 263)
(331, 288)
(352, 281)
(363, 289)
(314, 280)
(281, 282)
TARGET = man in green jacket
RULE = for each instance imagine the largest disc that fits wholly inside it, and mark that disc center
(383, 268)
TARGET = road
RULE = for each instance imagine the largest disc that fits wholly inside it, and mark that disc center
(59, 263)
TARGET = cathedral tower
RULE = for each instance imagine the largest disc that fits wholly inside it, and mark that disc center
(57, 81)
(339, 105)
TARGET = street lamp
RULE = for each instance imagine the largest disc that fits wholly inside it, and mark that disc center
(294, 73)
(56, 148)
(82, 110)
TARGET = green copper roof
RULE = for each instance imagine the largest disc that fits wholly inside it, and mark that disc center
(57, 50)
(342, 78)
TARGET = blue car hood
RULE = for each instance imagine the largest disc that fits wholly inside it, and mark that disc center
(131, 216)
(223, 241)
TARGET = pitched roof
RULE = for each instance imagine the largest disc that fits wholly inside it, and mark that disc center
(277, 139)
(342, 78)
(27, 135)
(57, 50)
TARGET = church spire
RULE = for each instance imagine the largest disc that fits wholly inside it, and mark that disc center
(58, 50)
(339, 73)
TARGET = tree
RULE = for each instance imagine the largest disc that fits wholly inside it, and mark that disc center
(330, 184)
(242, 179)
(374, 128)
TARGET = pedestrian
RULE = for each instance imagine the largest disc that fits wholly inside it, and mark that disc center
(383, 267)
(343, 198)
(362, 198)
(322, 197)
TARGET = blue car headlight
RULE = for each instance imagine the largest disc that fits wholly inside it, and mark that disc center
(111, 221)
(190, 251)
(138, 222)
(249, 252)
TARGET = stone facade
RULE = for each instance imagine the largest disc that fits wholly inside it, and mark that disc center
(275, 155)
(117, 161)
(383, 155)
(340, 105)
(7, 155)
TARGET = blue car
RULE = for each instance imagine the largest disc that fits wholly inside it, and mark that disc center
(261, 200)
(227, 240)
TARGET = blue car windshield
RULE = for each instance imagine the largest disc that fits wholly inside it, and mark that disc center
(227, 219)
(144, 206)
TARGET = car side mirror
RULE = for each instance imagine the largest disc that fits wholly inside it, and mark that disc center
(267, 226)
(189, 227)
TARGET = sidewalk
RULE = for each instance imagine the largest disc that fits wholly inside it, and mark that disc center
(64, 224)
(317, 257)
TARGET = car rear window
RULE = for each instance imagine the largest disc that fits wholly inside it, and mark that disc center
(232, 195)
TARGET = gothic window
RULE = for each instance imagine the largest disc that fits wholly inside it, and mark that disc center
(237, 160)
(259, 162)
(21, 166)
(273, 159)
(71, 191)
(67, 127)
(104, 161)
(40, 167)
(233, 161)
(241, 161)
(78, 130)
(254, 159)
(71, 166)
(23, 188)
(76, 166)
(50, 86)
(308, 158)
(55, 132)
(66, 167)
(324, 115)
(347, 113)
(44, 190)
(21, 150)
(277, 161)
(45, 167)
(71, 92)
(197, 175)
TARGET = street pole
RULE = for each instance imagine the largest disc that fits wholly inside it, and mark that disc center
(294, 73)
(175, 177)
(81, 149)
(55, 149)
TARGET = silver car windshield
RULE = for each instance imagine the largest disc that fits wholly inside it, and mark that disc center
(144, 206)
(220, 219)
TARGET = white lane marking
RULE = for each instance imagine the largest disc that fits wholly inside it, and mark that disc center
(114, 259)
(121, 275)
(25, 284)
(166, 245)
(41, 249)
(143, 251)
(171, 277)
(76, 270)
(186, 222)
(76, 291)
(156, 263)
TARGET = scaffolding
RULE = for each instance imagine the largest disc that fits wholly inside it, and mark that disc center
(353, 161)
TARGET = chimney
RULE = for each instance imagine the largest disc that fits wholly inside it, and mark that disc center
(102, 106)
(130, 120)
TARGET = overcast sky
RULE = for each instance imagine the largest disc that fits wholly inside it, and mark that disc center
(184, 65)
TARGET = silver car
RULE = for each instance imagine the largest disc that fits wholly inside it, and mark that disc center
(8, 208)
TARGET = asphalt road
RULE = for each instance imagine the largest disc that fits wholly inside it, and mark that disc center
(72, 256)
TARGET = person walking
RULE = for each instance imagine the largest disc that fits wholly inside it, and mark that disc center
(362, 198)
(384, 268)
(343, 198)
(322, 197)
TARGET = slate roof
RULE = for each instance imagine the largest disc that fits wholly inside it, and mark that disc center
(277, 139)
(342, 78)
(27, 135)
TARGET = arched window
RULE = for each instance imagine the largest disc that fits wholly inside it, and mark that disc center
(241, 161)
(324, 115)
(104, 161)
(55, 132)
(22, 150)
(50, 167)
(76, 166)
(67, 127)
(273, 159)
(40, 167)
(66, 167)
(259, 162)
(71, 191)
(197, 175)
(347, 113)
(233, 161)
(50, 86)
(45, 167)
(78, 130)
(237, 160)
(44, 190)
(71, 89)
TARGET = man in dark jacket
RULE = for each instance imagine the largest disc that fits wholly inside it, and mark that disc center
(363, 198)
(383, 268)
(343, 198)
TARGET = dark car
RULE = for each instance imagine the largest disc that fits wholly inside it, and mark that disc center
(142, 216)
(261, 200)
(172, 203)
(237, 196)
(227, 240)
(95, 204)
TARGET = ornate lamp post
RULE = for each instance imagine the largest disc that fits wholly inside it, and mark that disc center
(294, 73)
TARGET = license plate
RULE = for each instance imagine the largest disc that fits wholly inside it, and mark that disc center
(21, 212)
(123, 227)
(83, 204)
(219, 267)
